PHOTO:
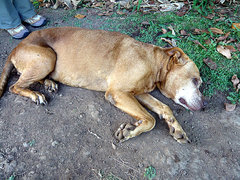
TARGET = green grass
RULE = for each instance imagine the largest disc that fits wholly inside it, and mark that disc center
(214, 80)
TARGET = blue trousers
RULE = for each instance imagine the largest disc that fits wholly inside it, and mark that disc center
(12, 12)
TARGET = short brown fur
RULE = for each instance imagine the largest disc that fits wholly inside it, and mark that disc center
(126, 69)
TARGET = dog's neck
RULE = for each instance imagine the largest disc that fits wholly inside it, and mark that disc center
(160, 65)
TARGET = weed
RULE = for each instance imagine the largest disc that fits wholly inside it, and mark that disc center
(36, 4)
(214, 80)
(150, 172)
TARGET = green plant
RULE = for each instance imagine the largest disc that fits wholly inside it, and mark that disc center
(139, 5)
(150, 172)
(234, 97)
(36, 4)
(202, 6)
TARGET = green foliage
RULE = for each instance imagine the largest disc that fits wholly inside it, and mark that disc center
(150, 172)
(234, 97)
(151, 32)
(36, 4)
(202, 6)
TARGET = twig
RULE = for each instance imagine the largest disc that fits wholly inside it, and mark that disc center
(97, 136)
(124, 163)
(190, 7)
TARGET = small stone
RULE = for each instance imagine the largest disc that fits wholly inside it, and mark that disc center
(25, 144)
(54, 143)
(114, 146)
(191, 113)
(10, 157)
(8, 150)
(14, 150)
(31, 173)
(33, 150)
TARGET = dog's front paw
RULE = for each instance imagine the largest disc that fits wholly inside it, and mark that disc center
(124, 131)
(50, 85)
(178, 133)
(38, 98)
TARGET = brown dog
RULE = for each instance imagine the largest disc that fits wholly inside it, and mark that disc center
(108, 61)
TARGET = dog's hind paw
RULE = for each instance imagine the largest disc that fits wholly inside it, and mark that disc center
(50, 85)
(124, 132)
(39, 98)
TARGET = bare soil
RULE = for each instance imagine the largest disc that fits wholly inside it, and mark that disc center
(72, 136)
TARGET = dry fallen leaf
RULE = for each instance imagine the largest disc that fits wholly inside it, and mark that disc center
(231, 48)
(222, 38)
(164, 31)
(216, 31)
(224, 51)
(79, 16)
(238, 46)
(210, 16)
(198, 43)
(235, 81)
(183, 33)
(208, 41)
(210, 63)
(235, 25)
(173, 32)
(171, 42)
(238, 87)
(230, 107)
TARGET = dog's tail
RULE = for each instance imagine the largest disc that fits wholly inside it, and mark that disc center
(5, 74)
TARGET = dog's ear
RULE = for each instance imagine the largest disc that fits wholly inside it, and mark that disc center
(174, 51)
(176, 57)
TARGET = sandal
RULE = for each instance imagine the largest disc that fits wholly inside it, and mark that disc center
(18, 32)
(36, 21)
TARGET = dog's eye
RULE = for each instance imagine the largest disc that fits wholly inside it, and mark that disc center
(195, 81)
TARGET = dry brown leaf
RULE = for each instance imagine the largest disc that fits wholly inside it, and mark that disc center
(210, 63)
(210, 16)
(216, 31)
(238, 87)
(120, 13)
(235, 25)
(222, 38)
(208, 41)
(230, 107)
(231, 48)
(235, 81)
(238, 46)
(197, 31)
(183, 33)
(164, 31)
(79, 16)
(198, 43)
(224, 51)
(171, 42)
(173, 32)
(220, 19)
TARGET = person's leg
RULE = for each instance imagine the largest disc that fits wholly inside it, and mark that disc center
(27, 13)
(24, 8)
(11, 21)
(9, 17)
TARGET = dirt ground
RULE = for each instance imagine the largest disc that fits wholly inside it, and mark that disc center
(72, 136)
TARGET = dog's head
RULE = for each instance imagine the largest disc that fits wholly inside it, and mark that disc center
(182, 80)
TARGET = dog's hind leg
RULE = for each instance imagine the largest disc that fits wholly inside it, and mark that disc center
(129, 104)
(163, 110)
(34, 65)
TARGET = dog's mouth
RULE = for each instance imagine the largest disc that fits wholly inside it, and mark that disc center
(195, 106)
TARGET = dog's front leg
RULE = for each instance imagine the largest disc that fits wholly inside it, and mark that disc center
(129, 104)
(163, 110)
